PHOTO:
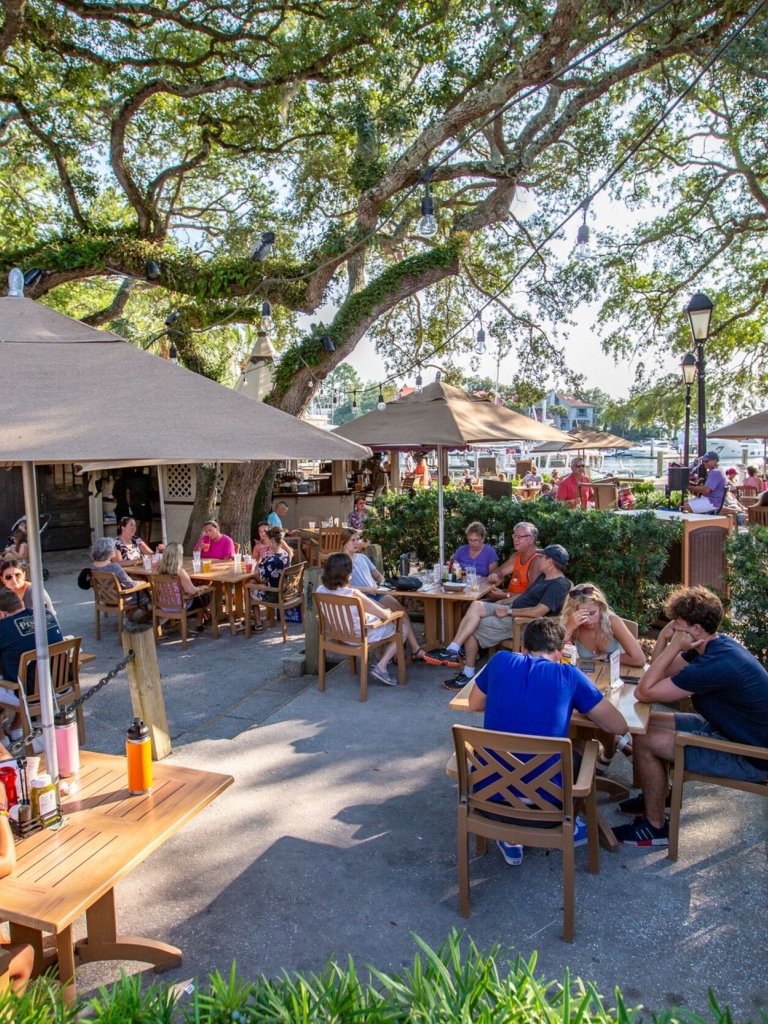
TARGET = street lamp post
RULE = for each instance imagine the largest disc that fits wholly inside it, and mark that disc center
(699, 312)
(688, 366)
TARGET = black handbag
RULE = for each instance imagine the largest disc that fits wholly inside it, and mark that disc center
(405, 583)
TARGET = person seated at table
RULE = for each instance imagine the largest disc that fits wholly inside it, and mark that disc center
(214, 544)
(367, 579)
(569, 490)
(171, 564)
(532, 693)
(18, 548)
(596, 631)
(523, 567)
(487, 623)
(625, 498)
(476, 554)
(15, 579)
(130, 547)
(752, 482)
(22, 954)
(358, 515)
(421, 475)
(17, 637)
(336, 579)
(276, 518)
(105, 558)
(270, 567)
(729, 689)
(533, 478)
(708, 496)
(262, 546)
(546, 494)
(554, 481)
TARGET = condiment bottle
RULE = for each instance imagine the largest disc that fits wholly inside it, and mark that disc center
(43, 798)
(8, 779)
(67, 749)
(138, 752)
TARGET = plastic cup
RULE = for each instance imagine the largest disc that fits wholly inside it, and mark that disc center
(196, 562)
(238, 560)
(147, 561)
(311, 526)
(207, 565)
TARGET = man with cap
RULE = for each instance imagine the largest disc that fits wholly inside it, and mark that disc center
(708, 497)
(487, 623)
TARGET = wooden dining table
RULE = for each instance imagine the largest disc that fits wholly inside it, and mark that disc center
(636, 714)
(229, 580)
(443, 609)
(72, 869)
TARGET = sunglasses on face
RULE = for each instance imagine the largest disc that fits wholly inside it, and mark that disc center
(521, 536)
(585, 590)
(14, 576)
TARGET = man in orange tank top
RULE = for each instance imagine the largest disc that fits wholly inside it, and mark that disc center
(523, 567)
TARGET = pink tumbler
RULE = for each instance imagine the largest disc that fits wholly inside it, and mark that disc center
(67, 750)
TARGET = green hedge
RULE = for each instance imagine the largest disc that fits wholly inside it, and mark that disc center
(624, 555)
(748, 580)
(442, 987)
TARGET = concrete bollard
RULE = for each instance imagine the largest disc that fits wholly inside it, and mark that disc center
(146, 687)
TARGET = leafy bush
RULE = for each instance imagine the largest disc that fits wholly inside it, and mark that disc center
(747, 577)
(445, 985)
(624, 555)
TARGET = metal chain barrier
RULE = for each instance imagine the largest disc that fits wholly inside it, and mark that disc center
(19, 746)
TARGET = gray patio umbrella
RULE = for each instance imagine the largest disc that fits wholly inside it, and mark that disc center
(84, 395)
(445, 417)
(751, 426)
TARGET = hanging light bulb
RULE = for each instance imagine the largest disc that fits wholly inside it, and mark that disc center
(152, 270)
(354, 401)
(334, 399)
(582, 243)
(266, 315)
(480, 342)
(427, 224)
(381, 405)
(328, 345)
(174, 354)
(418, 382)
(16, 284)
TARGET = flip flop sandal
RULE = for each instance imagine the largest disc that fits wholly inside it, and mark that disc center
(259, 628)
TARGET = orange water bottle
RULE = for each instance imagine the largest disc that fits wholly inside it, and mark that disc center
(138, 751)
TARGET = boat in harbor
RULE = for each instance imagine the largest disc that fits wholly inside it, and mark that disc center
(651, 448)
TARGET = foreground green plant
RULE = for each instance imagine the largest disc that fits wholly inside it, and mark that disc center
(455, 983)
(747, 578)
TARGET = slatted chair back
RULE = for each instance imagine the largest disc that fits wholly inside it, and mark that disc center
(342, 629)
(531, 779)
(109, 598)
(65, 681)
(757, 515)
(606, 495)
(289, 593)
(169, 602)
(330, 541)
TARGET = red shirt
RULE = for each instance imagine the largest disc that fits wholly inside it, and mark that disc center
(568, 490)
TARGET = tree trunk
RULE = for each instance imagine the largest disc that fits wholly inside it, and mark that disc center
(237, 500)
(205, 501)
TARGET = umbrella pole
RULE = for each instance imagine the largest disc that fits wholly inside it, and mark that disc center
(161, 493)
(41, 631)
(441, 529)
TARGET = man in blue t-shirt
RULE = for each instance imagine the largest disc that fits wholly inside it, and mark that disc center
(729, 689)
(534, 694)
(17, 636)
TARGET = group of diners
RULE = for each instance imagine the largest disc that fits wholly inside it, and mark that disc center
(270, 553)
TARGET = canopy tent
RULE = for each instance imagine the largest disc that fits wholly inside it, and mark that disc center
(752, 426)
(85, 395)
(444, 417)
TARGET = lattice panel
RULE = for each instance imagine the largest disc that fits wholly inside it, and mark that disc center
(178, 482)
(221, 479)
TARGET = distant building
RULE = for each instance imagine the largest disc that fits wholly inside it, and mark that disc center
(579, 413)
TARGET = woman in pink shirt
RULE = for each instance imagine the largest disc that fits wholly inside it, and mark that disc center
(214, 543)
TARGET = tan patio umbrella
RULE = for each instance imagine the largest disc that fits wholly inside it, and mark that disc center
(444, 417)
(598, 439)
(77, 394)
(752, 426)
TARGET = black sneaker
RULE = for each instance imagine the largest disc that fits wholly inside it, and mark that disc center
(635, 805)
(450, 659)
(641, 832)
(457, 683)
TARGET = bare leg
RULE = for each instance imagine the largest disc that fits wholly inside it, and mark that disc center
(394, 605)
(20, 967)
(469, 623)
(654, 751)
(389, 652)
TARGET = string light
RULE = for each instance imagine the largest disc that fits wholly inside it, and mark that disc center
(328, 345)
(174, 354)
(427, 224)
(419, 381)
(354, 401)
(152, 270)
(480, 342)
(582, 236)
(263, 247)
(16, 284)
(381, 405)
(266, 315)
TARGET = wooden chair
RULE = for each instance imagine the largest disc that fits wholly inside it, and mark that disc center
(748, 496)
(289, 592)
(169, 602)
(65, 680)
(343, 630)
(681, 775)
(406, 484)
(109, 598)
(606, 495)
(757, 515)
(304, 522)
(495, 757)
(329, 542)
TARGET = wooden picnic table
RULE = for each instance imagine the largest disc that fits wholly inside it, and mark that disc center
(64, 872)
(635, 712)
(230, 581)
(442, 609)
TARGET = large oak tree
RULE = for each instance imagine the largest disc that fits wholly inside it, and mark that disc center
(131, 133)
